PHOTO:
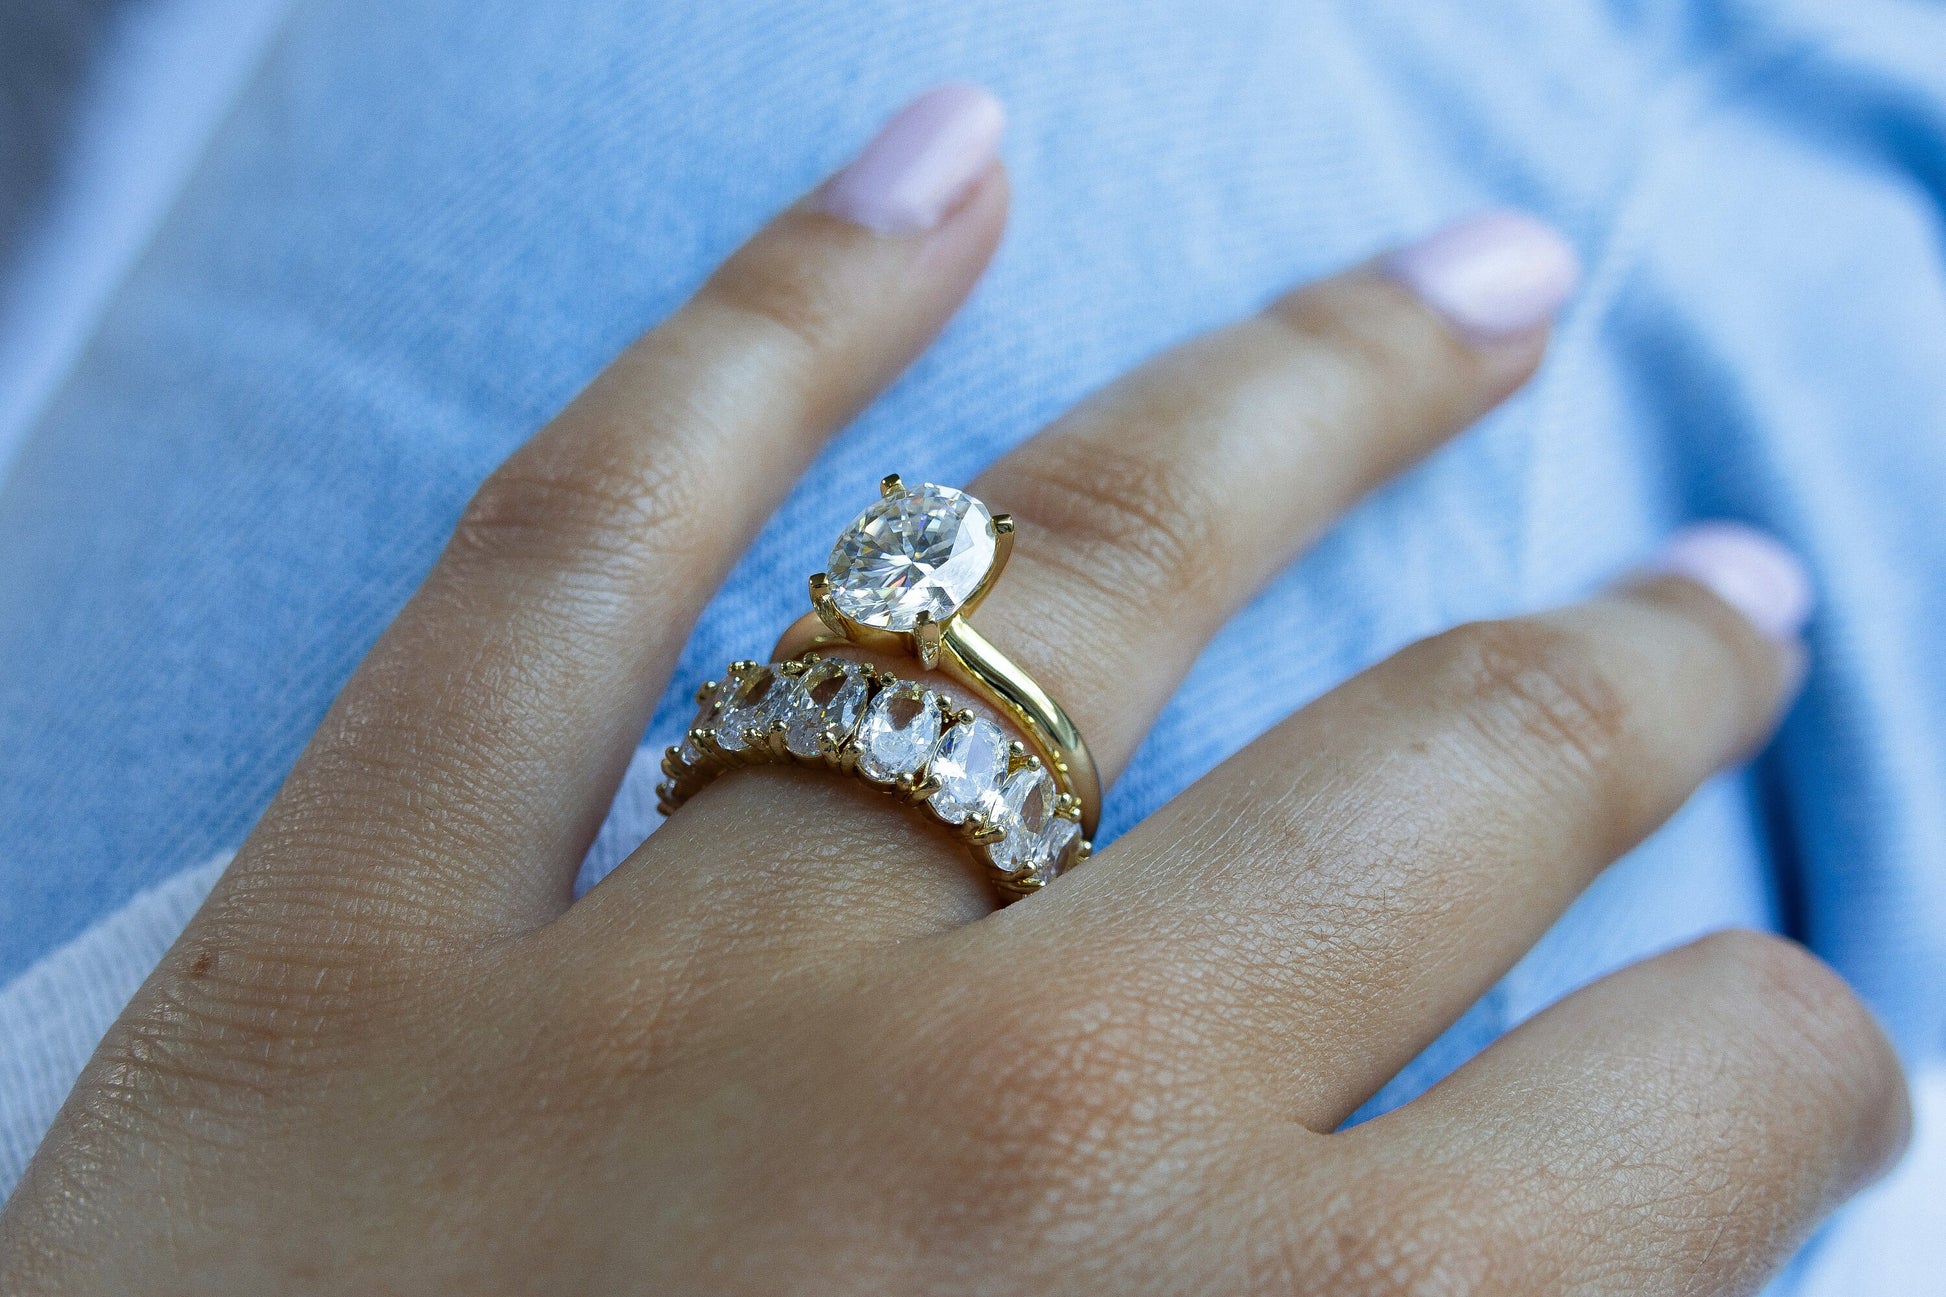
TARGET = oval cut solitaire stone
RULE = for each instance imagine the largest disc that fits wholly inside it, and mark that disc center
(898, 733)
(1026, 807)
(829, 700)
(750, 709)
(924, 550)
(971, 761)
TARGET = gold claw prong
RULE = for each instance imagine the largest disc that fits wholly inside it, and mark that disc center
(891, 484)
(834, 621)
(704, 691)
(925, 637)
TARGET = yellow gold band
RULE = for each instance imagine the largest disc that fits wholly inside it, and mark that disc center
(969, 658)
(897, 736)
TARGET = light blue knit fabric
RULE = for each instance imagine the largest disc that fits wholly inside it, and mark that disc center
(426, 225)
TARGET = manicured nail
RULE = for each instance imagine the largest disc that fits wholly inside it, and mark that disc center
(1496, 275)
(1746, 569)
(921, 163)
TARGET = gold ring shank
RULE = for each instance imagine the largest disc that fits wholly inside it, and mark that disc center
(970, 658)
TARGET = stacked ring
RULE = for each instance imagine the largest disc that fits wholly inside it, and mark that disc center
(903, 578)
(899, 736)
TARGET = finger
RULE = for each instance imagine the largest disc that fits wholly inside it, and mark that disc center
(1150, 515)
(467, 764)
(1145, 519)
(1353, 881)
(1678, 1127)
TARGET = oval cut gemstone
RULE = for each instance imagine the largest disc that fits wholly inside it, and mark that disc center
(924, 550)
(1054, 847)
(1026, 807)
(750, 709)
(971, 761)
(829, 698)
(898, 733)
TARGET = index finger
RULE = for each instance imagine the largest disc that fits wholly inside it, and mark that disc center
(466, 766)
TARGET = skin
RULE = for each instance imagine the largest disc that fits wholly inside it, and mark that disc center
(789, 1047)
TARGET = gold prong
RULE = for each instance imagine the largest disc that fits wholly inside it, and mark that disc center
(964, 716)
(704, 690)
(834, 621)
(890, 485)
(925, 637)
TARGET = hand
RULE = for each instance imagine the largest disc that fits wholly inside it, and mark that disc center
(789, 1047)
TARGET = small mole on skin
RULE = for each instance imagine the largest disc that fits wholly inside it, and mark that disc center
(204, 961)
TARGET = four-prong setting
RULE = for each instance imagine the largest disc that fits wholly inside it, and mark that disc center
(903, 580)
(910, 564)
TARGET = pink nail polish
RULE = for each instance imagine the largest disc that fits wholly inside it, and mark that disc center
(1496, 275)
(921, 162)
(1746, 569)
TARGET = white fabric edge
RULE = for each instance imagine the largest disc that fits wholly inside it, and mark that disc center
(53, 1015)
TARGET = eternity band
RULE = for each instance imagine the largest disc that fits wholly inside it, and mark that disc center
(898, 736)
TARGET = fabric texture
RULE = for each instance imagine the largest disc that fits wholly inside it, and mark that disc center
(423, 227)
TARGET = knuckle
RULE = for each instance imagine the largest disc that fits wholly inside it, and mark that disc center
(788, 292)
(1381, 1236)
(1136, 523)
(1800, 994)
(608, 505)
(1535, 692)
(1051, 1107)
(224, 1026)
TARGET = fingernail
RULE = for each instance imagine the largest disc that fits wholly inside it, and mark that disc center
(1496, 275)
(1746, 569)
(921, 162)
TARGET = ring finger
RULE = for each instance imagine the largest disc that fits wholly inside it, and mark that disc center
(1145, 519)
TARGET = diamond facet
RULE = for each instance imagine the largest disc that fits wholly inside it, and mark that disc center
(924, 550)
(969, 765)
(898, 732)
(826, 702)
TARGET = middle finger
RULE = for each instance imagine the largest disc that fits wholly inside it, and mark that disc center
(1145, 519)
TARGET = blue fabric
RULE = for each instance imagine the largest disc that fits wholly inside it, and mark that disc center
(426, 225)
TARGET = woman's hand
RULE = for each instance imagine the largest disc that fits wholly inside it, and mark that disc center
(787, 1047)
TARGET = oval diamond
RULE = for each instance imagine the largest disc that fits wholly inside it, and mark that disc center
(1026, 807)
(971, 761)
(750, 709)
(898, 733)
(923, 550)
(828, 700)
(1052, 855)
